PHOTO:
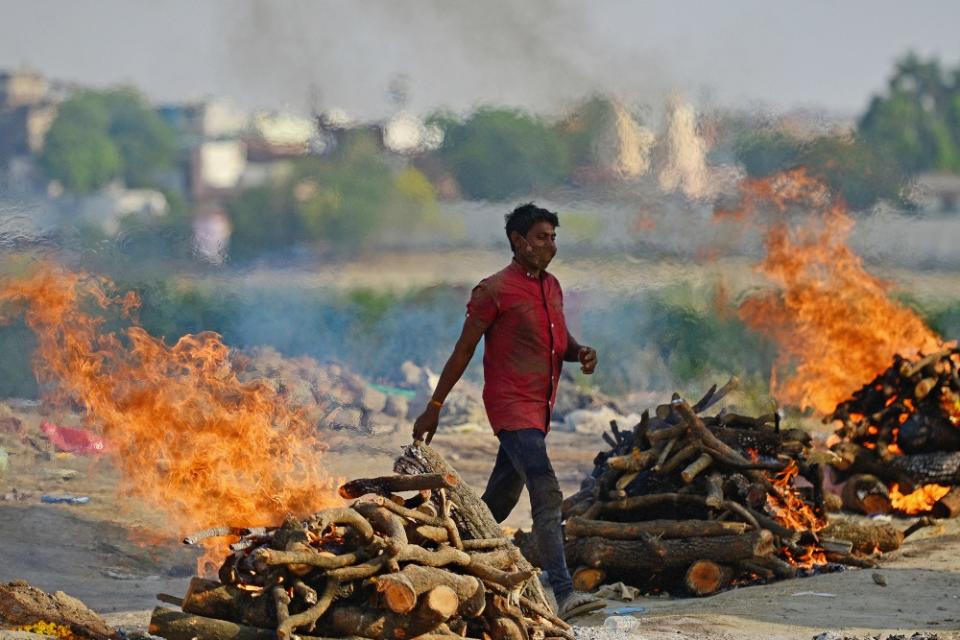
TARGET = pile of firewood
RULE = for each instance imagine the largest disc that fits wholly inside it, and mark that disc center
(384, 567)
(903, 429)
(684, 503)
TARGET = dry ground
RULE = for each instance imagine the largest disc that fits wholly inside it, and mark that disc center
(104, 554)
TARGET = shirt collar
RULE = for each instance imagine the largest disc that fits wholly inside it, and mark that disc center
(521, 270)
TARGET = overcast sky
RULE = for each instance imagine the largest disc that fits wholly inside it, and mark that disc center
(532, 53)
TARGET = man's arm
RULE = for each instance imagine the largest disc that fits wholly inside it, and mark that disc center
(576, 352)
(426, 425)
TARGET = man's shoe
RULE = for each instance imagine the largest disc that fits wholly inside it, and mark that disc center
(577, 604)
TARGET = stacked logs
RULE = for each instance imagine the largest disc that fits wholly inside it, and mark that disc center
(695, 504)
(384, 567)
(903, 429)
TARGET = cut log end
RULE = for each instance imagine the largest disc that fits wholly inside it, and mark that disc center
(588, 578)
(705, 577)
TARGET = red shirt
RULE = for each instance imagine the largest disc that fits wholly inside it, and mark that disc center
(525, 337)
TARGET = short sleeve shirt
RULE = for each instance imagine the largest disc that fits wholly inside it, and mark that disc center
(525, 337)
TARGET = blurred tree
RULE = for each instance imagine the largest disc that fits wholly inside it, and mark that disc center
(98, 136)
(501, 153)
(78, 150)
(855, 169)
(917, 121)
(341, 203)
(764, 152)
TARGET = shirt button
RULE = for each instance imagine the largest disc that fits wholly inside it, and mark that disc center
(551, 325)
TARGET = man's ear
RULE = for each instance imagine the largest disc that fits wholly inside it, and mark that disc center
(515, 240)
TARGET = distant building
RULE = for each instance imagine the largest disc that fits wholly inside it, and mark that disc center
(216, 166)
(22, 88)
(23, 129)
(938, 192)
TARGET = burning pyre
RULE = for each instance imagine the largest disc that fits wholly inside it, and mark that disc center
(381, 568)
(684, 503)
(899, 438)
(835, 326)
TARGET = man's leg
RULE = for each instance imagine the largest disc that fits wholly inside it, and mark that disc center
(505, 484)
(528, 452)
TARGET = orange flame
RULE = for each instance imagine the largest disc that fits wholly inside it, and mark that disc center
(919, 501)
(190, 439)
(788, 507)
(833, 322)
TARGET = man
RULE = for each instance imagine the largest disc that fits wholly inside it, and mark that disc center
(519, 312)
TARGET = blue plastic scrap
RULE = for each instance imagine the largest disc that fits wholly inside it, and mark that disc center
(65, 499)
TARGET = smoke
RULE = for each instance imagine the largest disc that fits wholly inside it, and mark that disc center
(539, 54)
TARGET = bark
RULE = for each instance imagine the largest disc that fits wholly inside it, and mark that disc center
(434, 608)
(629, 555)
(227, 602)
(472, 516)
(401, 590)
(705, 577)
(176, 625)
(866, 538)
(942, 467)
(667, 529)
(391, 484)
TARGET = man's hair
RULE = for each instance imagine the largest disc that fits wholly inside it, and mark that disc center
(525, 216)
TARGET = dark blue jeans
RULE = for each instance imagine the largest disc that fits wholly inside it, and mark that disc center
(522, 460)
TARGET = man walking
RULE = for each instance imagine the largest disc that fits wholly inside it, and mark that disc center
(519, 312)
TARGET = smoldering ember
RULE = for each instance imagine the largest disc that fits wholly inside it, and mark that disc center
(369, 345)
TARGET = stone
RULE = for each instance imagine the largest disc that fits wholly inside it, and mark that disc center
(373, 400)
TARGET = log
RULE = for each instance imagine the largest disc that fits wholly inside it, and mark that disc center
(401, 590)
(705, 577)
(472, 516)
(387, 485)
(636, 460)
(211, 599)
(625, 555)
(667, 529)
(588, 578)
(866, 538)
(948, 506)
(942, 467)
(695, 467)
(865, 493)
(434, 608)
(679, 458)
(177, 625)
(714, 490)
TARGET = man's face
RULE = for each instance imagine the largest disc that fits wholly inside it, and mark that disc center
(539, 246)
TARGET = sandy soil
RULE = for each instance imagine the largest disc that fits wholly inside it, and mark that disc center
(108, 553)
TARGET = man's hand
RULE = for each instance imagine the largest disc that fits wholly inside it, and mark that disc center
(588, 359)
(426, 425)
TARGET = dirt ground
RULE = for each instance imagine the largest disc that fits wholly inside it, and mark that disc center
(108, 554)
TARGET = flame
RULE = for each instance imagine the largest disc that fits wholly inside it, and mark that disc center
(833, 322)
(788, 507)
(920, 501)
(191, 440)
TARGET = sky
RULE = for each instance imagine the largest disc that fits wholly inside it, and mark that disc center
(540, 54)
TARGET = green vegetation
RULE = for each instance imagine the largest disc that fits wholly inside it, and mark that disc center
(503, 153)
(917, 120)
(99, 136)
(341, 203)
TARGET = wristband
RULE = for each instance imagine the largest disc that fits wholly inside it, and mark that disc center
(436, 403)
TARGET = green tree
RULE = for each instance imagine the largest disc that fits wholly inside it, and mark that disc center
(340, 203)
(501, 153)
(98, 136)
(917, 121)
(78, 150)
